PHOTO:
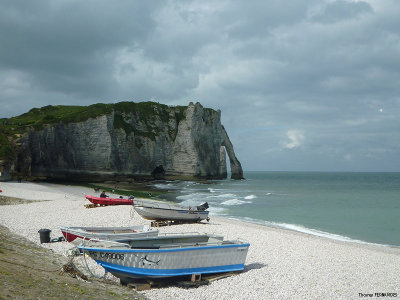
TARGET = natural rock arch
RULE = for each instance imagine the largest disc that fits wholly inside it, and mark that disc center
(236, 167)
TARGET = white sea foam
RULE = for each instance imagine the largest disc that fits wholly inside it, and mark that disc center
(225, 196)
(302, 229)
(250, 197)
(235, 201)
(215, 190)
(164, 186)
(189, 183)
(320, 233)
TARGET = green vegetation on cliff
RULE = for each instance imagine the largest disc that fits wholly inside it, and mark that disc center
(147, 113)
(6, 148)
(37, 118)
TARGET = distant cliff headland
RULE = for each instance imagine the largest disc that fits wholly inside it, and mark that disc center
(120, 141)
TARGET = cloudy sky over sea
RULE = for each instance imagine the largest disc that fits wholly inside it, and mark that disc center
(306, 85)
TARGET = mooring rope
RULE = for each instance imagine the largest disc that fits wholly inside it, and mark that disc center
(132, 213)
(87, 266)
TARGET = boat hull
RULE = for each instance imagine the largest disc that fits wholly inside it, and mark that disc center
(144, 263)
(108, 201)
(76, 235)
(157, 213)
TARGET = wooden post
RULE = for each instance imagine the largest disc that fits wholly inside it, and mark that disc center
(195, 277)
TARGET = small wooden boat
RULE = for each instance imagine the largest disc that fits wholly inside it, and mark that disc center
(76, 235)
(108, 201)
(168, 255)
(155, 210)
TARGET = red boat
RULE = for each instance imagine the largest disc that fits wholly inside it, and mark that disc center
(109, 201)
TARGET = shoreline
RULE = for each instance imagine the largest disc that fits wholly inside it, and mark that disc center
(349, 242)
(311, 232)
(281, 263)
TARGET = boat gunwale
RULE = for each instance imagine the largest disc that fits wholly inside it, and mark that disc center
(236, 244)
(167, 206)
(137, 228)
(84, 233)
(202, 212)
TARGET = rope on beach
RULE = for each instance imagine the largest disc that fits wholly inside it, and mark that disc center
(72, 270)
(132, 213)
(86, 264)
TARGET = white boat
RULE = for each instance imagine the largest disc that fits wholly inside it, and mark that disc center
(155, 210)
(76, 235)
(168, 255)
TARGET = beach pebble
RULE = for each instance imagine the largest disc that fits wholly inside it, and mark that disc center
(280, 264)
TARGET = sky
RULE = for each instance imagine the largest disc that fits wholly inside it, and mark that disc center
(305, 85)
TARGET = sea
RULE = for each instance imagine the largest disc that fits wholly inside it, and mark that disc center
(357, 207)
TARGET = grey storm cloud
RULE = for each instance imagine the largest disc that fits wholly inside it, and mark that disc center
(302, 85)
(67, 46)
(342, 10)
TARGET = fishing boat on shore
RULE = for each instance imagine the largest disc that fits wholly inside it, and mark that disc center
(168, 255)
(76, 235)
(158, 211)
(108, 201)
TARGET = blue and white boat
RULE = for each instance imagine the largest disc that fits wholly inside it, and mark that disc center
(168, 255)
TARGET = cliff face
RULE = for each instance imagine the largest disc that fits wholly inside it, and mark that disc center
(187, 142)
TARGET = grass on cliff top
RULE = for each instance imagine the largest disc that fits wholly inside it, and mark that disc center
(36, 118)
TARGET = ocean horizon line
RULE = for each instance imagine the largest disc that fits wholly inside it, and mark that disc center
(286, 171)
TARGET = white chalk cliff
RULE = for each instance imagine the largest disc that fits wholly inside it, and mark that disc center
(188, 142)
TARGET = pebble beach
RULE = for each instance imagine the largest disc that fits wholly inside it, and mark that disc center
(280, 264)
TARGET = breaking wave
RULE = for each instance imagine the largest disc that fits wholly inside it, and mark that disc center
(235, 202)
(223, 196)
(302, 229)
